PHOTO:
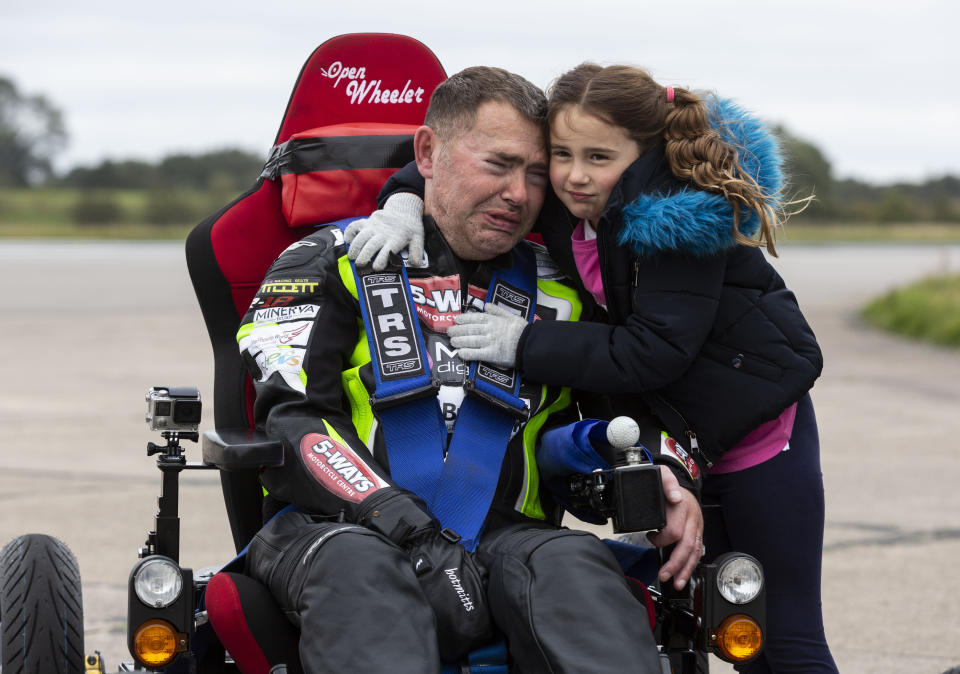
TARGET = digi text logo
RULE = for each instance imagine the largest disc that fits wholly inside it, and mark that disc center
(361, 90)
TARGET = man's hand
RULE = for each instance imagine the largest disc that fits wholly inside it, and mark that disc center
(491, 336)
(397, 226)
(454, 585)
(684, 527)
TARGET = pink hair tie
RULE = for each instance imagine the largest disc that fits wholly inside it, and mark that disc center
(669, 94)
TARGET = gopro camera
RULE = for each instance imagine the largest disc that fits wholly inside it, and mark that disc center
(173, 408)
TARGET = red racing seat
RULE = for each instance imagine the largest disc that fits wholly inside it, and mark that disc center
(346, 128)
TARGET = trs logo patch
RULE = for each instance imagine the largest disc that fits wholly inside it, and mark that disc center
(391, 323)
(337, 468)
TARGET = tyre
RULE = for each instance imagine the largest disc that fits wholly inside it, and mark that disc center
(41, 607)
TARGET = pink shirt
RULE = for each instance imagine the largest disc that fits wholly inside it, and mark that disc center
(761, 444)
(584, 240)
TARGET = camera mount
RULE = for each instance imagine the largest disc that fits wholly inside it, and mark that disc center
(175, 411)
(173, 450)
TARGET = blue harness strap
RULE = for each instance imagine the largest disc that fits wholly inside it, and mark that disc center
(405, 396)
(460, 488)
(490, 410)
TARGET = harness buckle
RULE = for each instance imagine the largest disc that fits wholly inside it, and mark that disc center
(450, 535)
(522, 413)
(429, 390)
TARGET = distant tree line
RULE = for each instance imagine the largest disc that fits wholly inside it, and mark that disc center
(179, 189)
(849, 200)
(219, 170)
(32, 134)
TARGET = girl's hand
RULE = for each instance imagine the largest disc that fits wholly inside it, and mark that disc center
(491, 336)
(398, 226)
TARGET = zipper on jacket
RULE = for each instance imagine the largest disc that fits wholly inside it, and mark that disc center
(602, 258)
(689, 432)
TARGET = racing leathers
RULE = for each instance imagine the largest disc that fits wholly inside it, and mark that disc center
(361, 562)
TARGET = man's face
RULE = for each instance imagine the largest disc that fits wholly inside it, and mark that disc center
(487, 184)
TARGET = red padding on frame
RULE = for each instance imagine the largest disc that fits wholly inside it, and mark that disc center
(229, 622)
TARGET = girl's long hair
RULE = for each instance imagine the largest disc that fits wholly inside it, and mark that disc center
(628, 97)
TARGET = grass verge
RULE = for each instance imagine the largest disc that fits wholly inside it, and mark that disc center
(919, 232)
(928, 310)
(105, 213)
(113, 232)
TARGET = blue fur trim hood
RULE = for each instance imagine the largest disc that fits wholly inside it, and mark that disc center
(693, 221)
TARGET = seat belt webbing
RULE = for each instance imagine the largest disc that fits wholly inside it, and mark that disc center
(459, 491)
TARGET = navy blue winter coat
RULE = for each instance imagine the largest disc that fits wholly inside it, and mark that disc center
(699, 327)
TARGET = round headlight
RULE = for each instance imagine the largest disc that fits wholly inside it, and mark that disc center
(156, 643)
(739, 638)
(158, 582)
(740, 580)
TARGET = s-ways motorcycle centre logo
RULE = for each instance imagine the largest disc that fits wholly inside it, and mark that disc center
(437, 300)
(359, 89)
(337, 468)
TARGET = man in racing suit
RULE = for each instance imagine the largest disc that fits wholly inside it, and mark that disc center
(362, 565)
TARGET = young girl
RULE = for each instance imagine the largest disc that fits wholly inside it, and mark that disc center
(664, 200)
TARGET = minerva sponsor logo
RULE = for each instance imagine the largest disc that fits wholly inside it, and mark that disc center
(337, 468)
(283, 314)
(359, 89)
(458, 588)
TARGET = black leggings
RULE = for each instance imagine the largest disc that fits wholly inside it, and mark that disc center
(775, 511)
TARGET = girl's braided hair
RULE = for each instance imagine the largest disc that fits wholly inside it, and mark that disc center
(626, 96)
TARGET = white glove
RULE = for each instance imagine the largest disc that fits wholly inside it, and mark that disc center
(397, 226)
(491, 336)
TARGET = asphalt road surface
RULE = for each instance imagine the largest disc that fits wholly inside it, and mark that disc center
(87, 328)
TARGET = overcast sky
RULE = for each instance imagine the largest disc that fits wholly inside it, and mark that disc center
(873, 84)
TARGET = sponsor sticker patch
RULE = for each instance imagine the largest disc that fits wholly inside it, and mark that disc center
(274, 335)
(671, 447)
(289, 287)
(392, 325)
(337, 468)
(282, 314)
(288, 363)
(272, 301)
(437, 299)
